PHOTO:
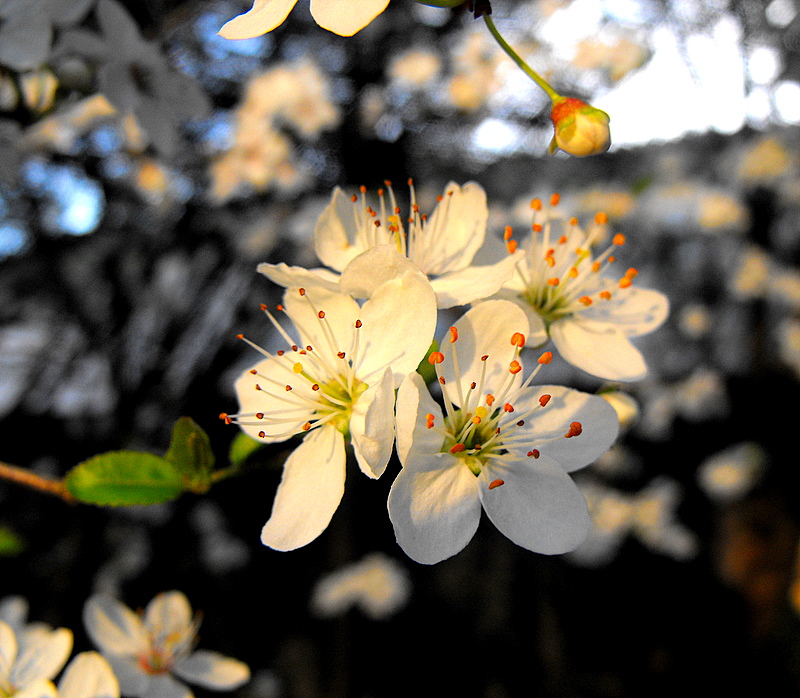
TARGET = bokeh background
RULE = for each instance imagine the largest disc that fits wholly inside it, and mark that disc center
(147, 166)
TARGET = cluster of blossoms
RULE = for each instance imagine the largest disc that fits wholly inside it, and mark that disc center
(139, 656)
(484, 436)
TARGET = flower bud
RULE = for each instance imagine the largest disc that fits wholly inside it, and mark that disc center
(580, 129)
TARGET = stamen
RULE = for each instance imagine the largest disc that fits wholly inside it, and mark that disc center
(496, 483)
(457, 448)
(574, 430)
(544, 399)
(429, 419)
(533, 453)
(518, 340)
(453, 334)
(546, 358)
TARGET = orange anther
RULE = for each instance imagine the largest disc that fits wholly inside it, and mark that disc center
(551, 261)
(537, 227)
(632, 273)
(476, 420)
(354, 198)
(605, 295)
(601, 218)
(301, 291)
(511, 246)
(239, 336)
(436, 357)
(573, 221)
(611, 259)
(546, 358)
(225, 418)
(315, 387)
(263, 306)
(429, 419)
(553, 282)
(496, 483)
(363, 189)
(307, 426)
(585, 300)
(484, 357)
(514, 367)
(508, 233)
(253, 371)
(490, 399)
(619, 239)
(544, 399)
(624, 282)
(554, 199)
(508, 407)
(341, 354)
(453, 334)
(533, 453)
(321, 314)
(288, 388)
(563, 238)
(262, 434)
(518, 339)
(573, 273)
(574, 430)
(457, 448)
(358, 324)
(536, 204)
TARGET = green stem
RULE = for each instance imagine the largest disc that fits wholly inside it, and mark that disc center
(530, 72)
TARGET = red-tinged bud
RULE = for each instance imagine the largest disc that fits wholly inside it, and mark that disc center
(580, 129)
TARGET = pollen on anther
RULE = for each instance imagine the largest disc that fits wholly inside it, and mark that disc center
(585, 300)
(259, 415)
(625, 282)
(358, 324)
(307, 426)
(619, 240)
(508, 407)
(601, 218)
(436, 357)
(496, 483)
(262, 434)
(511, 246)
(457, 448)
(341, 354)
(442, 380)
(533, 453)
(536, 204)
(605, 295)
(301, 291)
(429, 419)
(239, 336)
(514, 367)
(453, 334)
(288, 388)
(554, 199)
(225, 418)
(490, 399)
(507, 233)
(553, 282)
(537, 227)
(632, 273)
(484, 357)
(546, 358)
(321, 314)
(253, 371)
(315, 387)
(298, 367)
(574, 430)
(518, 339)
(544, 399)
(263, 306)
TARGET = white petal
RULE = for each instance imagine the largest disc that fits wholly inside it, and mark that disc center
(473, 283)
(272, 400)
(113, 627)
(485, 329)
(598, 348)
(599, 422)
(132, 679)
(377, 265)
(537, 332)
(434, 507)
(284, 275)
(454, 232)
(538, 507)
(636, 311)
(341, 313)
(398, 323)
(42, 688)
(346, 17)
(8, 649)
(310, 491)
(414, 402)
(89, 675)
(335, 234)
(169, 616)
(42, 656)
(263, 17)
(212, 670)
(372, 426)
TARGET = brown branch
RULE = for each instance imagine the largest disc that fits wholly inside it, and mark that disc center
(36, 482)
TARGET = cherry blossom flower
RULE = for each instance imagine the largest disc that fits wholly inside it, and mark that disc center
(147, 652)
(569, 297)
(369, 246)
(343, 17)
(334, 384)
(501, 444)
(30, 659)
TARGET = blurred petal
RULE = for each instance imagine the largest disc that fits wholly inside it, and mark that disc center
(113, 627)
(42, 688)
(8, 649)
(295, 277)
(169, 618)
(538, 507)
(414, 403)
(212, 670)
(164, 686)
(89, 675)
(473, 283)
(636, 311)
(42, 657)
(310, 491)
(263, 17)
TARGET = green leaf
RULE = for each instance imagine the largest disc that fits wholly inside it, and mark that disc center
(425, 368)
(190, 452)
(241, 447)
(125, 478)
(10, 543)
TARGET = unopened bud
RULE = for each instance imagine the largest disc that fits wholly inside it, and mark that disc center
(580, 129)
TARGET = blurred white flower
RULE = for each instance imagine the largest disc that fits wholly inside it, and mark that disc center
(377, 584)
(147, 652)
(30, 659)
(730, 474)
(88, 675)
(415, 68)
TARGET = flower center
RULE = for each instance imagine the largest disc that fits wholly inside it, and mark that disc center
(336, 403)
(473, 437)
